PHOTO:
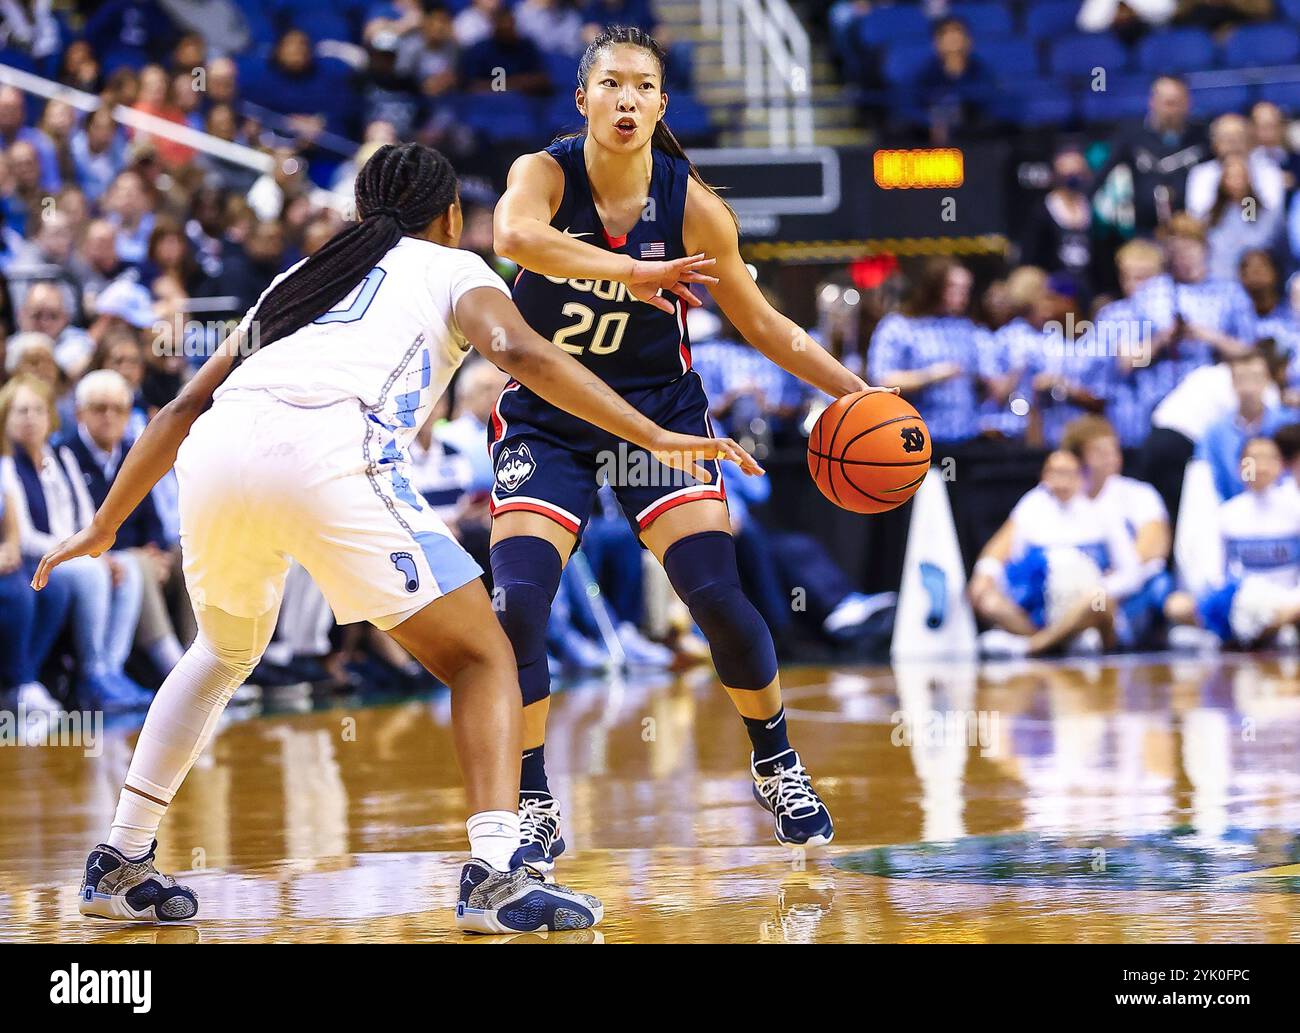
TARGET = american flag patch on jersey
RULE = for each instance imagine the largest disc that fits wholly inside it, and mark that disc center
(655, 250)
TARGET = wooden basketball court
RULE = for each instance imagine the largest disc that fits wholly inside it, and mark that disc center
(1117, 801)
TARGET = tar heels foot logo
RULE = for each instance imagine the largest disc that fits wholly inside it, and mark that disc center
(405, 564)
(515, 466)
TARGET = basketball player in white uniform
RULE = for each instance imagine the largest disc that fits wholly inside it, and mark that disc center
(303, 455)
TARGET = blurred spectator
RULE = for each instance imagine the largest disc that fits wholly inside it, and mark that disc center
(45, 310)
(13, 113)
(1259, 532)
(98, 443)
(1156, 154)
(1256, 415)
(474, 23)
(750, 396)
(1193, 322)
(128, 33)
(99, 151)
(131, 210)
(929, 351)
(32, 29)
(391, 20)
(24, 645)
(1059, 235)
(504, 61)
(1216, 15)
(1230, 137)
(431, 56)
(1127, 19)
(220, 24)
(1269, 126)
(97, 264)
(387, 94)
(1238, 221)
(32, 353)
(80, 68)
(58, 122)
(555, 26)
(1139, 508)
(477, 387)
(1056, 571)
(955, 88)
(51, 502)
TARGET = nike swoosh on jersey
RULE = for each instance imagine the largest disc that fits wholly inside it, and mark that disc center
(568, 234)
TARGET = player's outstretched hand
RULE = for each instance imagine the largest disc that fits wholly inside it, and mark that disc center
(683, 452)
(649, 278)
(92, 541)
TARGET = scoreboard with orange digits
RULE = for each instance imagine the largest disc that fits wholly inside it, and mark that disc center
(839, 202)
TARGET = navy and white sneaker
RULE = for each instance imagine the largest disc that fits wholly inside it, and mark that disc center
(133, 890)
(782, 786)
(540, 842)
(520, 901)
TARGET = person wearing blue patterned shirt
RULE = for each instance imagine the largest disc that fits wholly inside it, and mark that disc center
(930, 351)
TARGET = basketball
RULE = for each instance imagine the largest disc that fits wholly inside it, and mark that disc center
(869, 452)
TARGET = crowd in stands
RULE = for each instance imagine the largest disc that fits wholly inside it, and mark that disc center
(1148, 313)
(125, 255)
(954, 69)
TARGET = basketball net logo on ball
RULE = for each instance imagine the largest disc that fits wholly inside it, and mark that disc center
(869, 452)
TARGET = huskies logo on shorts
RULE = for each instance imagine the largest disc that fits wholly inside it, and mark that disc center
(514, 466)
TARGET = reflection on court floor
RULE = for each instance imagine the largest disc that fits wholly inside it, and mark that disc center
(1139, 800)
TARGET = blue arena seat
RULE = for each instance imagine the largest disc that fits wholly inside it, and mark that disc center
(985, 20)
(1080, 53)
(501, 116)
(1208, 101)
(904, 61)
(688, 118)
(1045, 18)
(1286, 95)
(681, 65)
(1250, 45)
(1176, 50)
(1009, 58)
(894, 24)
(1124, 97)
(562, 70)
(1053, 108)
(1290, 9)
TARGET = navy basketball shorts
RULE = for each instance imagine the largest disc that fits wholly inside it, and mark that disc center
(549, 462)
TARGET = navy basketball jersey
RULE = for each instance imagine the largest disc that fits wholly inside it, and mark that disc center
(627, 343)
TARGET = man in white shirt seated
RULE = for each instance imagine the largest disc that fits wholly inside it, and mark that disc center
(1056, 572)
(1259, 531)
(1141, 511)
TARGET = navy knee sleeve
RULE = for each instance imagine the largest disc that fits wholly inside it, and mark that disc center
(525, 575)
(702, 568)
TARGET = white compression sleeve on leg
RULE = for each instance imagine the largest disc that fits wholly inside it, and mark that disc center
(182, 719)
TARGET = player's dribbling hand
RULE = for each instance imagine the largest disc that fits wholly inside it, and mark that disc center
(684, 451)
(649, 278)
(92, 541)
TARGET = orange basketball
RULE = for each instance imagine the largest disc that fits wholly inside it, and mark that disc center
(869, 452)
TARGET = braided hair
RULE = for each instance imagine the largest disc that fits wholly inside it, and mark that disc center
(400, 190)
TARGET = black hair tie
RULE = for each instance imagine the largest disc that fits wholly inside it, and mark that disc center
(385, 211)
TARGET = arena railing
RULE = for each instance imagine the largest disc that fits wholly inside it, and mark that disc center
(763, 41)
(142, 122)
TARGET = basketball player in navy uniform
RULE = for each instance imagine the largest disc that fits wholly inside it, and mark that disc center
(582, 218)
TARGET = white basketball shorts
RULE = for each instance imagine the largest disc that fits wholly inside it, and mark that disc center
(262, 482)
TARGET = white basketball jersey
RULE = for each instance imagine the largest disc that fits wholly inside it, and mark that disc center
(392, 343)
(1261, 535)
